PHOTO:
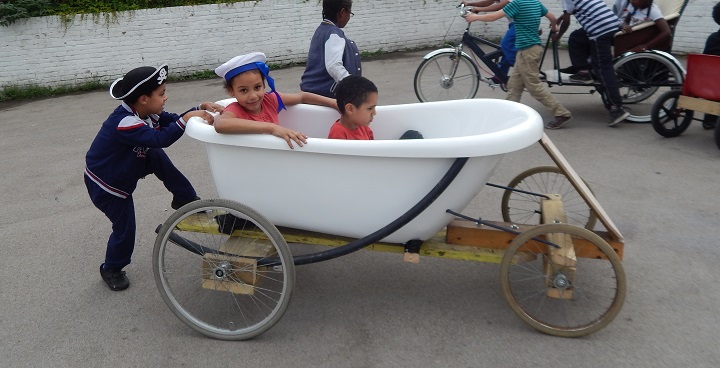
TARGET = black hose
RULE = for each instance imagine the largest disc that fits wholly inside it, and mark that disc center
(390, 228)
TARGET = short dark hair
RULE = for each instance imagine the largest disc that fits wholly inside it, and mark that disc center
(146, 89)
(332, 7)
(353, 89)
(716, 13)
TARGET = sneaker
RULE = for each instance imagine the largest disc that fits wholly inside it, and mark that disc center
(115, 279)
(558, 122)
(617, 115)
(582, 77)
(177, 203)
(495, 80)
(569, 70)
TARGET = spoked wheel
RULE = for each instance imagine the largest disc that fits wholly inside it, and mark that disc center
(446, 76)
(522, 208)
(568, 295)
(667, 119)
(643, 75)
(225, 287)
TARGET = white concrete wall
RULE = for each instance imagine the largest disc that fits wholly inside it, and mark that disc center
(44, 51)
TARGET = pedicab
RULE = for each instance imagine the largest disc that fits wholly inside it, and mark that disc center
(226, 267)
(674, 110)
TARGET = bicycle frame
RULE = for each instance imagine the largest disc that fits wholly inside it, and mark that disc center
(488, 58)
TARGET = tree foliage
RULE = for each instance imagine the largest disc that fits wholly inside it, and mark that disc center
(12, 10)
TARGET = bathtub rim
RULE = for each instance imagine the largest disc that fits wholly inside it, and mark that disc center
(511, 139)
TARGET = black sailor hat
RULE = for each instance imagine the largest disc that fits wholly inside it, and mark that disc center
(143, 79)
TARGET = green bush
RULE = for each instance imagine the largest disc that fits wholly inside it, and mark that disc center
(12, 10)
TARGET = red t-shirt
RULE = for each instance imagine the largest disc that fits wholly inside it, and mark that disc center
(339, 131)
(268, 110)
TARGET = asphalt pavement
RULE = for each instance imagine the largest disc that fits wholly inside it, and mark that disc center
(366, 309)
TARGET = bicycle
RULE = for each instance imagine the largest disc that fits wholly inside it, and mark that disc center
(459, 73)
(641, 75)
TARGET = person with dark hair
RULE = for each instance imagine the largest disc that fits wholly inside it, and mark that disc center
(527, 15)
(256, 111)
(507, 43)
(640, 11)
(599, 23)
(128, 147)
(712, 47)
(331, 56)
(356, 98)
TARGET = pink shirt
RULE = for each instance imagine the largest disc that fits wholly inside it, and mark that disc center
(339, 131)
(268, 110)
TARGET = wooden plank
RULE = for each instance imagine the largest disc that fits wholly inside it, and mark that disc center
(470, 234)
(560, 259)
(580, 186)
(698, 104)
(242, 275)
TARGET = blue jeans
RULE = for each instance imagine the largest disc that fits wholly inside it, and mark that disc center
(507, 45)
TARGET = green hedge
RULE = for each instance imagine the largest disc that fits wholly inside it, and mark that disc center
(12, 10)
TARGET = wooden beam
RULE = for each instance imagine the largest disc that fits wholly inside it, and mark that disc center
(561, 259)
(470, 234)
(580, 186)
(698, 104)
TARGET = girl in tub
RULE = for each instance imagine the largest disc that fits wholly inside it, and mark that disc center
(256, 111)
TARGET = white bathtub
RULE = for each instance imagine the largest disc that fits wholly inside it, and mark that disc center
(354, 188)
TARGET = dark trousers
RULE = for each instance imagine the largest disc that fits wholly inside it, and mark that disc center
(602, 63)
(579, 46)
(121, 211)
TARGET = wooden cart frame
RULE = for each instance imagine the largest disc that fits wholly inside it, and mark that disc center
(228, 273)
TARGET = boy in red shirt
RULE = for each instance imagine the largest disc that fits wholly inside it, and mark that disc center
(356, 99)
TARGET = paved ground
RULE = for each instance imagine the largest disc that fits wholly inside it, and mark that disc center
(367, 309)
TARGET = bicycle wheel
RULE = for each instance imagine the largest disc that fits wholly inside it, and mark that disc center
(561, 296)
(641, 76)
(225, 287)
(667, 119)
(717, 135)
(445, 76)
(522, 208)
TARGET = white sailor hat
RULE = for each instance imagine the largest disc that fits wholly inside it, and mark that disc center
(241, 63)
(144, 78)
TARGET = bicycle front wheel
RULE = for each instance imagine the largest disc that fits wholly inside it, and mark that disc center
(446, 76)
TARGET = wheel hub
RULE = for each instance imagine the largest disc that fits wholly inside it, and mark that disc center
(221, 271)
(560, 281)
(446, 83)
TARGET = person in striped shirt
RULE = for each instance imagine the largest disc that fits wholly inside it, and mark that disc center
(527, 15)
(600, 23)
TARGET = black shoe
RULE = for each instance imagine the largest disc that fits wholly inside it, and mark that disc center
(709, 122)
(115, 279)
(177, 203)
(617, 115)
(582, 77)
(570, 70)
